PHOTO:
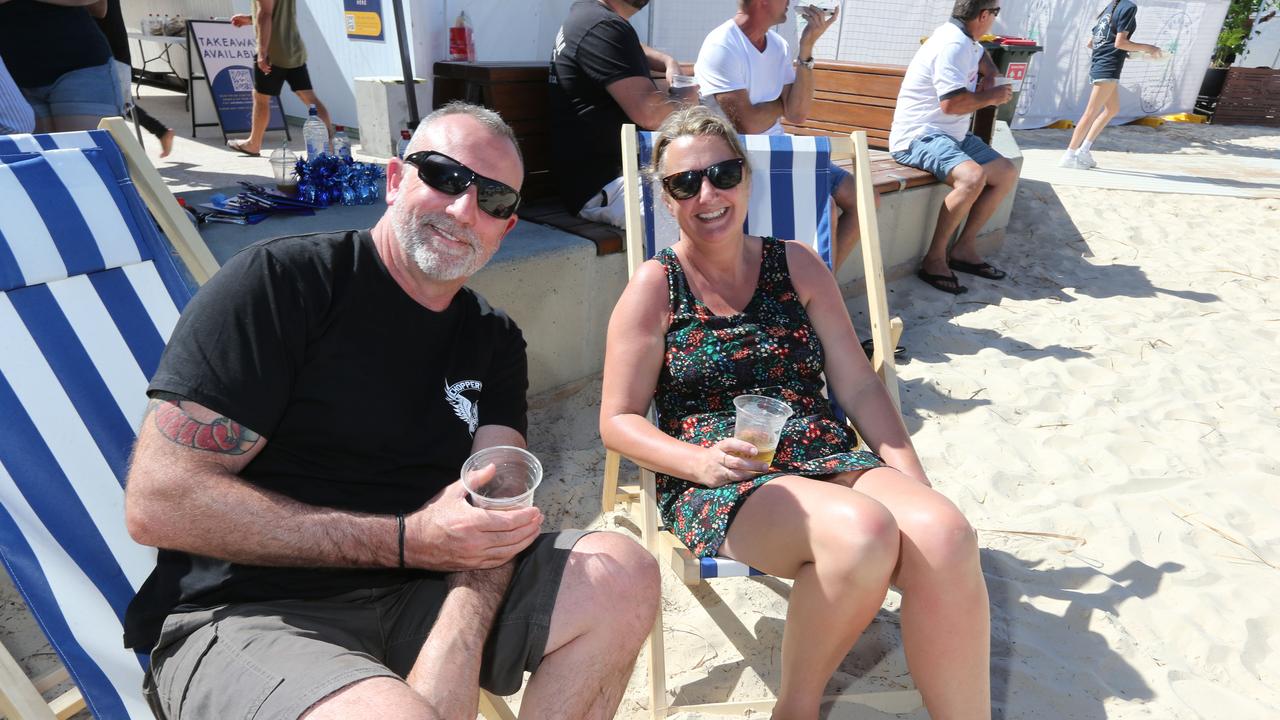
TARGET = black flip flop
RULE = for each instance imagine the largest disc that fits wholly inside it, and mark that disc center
(868, 347)
(238, 146)
(945, 283)
(982, 269)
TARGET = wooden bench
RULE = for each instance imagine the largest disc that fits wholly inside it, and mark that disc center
(855, 96)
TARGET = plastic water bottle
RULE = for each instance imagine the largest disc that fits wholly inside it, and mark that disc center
(315, 135)
(403, 145)
(341, 145)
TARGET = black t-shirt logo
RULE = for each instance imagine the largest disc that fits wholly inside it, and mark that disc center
(465, 409)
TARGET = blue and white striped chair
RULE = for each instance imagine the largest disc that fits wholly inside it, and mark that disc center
(89, 293)
(790, 200)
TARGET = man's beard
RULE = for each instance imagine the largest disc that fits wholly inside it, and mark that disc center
(439, 262)
(637, 4)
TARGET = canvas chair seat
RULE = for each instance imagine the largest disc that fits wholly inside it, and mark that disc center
(790, 200)
(89, 294)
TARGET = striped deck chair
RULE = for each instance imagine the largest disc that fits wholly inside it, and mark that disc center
(790, 200)
(89, 293)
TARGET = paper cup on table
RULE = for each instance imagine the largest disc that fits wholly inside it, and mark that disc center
(502, 477)
(759, 422)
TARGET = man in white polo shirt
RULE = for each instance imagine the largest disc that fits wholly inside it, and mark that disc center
(949, 78)
(748, 70)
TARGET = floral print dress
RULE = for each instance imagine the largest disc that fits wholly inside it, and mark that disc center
(770, 348)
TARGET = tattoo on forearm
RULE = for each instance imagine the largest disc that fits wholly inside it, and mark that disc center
(221, 434)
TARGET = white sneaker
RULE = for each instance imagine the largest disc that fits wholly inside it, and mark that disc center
(1069, 160)
(1085, 160)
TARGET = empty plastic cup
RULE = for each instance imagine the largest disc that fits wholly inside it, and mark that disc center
(759, 422)
(510, 484)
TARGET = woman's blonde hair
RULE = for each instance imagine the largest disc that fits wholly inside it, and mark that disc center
(694, 121)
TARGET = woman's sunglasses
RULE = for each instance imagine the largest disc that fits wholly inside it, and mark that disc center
(451, 177)
(724, 175)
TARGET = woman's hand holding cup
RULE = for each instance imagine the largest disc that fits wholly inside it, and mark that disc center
(728, 461)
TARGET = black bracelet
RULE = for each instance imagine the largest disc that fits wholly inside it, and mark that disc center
(400, 530)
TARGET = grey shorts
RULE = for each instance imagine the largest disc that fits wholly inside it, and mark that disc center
(274, 660)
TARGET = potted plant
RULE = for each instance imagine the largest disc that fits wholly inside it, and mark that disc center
(1237, 28)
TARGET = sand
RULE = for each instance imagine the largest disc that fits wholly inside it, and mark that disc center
(1107, 418)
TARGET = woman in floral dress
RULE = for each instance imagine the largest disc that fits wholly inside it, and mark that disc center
(722, 314)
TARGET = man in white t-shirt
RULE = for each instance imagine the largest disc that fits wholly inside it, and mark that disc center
(748, 70)
(949, 78)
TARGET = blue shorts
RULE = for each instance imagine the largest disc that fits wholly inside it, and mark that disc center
(1105, 70)
(88, 91)
(838, 174)
(940, 153)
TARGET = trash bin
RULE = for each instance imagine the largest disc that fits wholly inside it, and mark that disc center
(1013, 56)
(382, 111)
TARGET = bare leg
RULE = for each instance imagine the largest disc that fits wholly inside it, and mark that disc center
(946, 622)
(1097, 101)
(846, 229)
(1111, 106)
(605, 608)
(967, 181)
(258, 126)
(309, 97)
(385, 697)
(840, 546)
(1001, 176)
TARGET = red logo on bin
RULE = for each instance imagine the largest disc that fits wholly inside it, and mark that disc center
(1016, 71)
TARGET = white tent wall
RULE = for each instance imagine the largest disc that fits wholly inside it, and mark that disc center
(1263, 48)
(1057, 83)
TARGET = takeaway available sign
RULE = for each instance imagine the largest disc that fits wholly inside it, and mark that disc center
(226, 53)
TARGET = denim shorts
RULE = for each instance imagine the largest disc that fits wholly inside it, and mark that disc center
(838, 174)
(88, 91)
(940, 153)
(1106, 70)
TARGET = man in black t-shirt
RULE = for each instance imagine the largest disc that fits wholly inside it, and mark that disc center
(297, 468)
(600, 80)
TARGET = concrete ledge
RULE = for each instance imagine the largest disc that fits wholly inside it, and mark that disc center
(561, 293)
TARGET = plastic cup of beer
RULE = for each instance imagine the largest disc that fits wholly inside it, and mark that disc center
(502, 477)
(759, 422)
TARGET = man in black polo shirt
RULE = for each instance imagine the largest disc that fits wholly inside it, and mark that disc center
(298, 468)
(600, 80)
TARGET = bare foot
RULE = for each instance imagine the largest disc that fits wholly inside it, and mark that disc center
(166, 142)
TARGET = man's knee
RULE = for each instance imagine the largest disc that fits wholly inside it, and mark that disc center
(619, 575)
(1001, 172)
(969, 178)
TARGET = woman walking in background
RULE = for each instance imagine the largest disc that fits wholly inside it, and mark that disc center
(1111, 45)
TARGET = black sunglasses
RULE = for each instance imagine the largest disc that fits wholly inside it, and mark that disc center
(725, 175)
(995, 11)
(449, 176)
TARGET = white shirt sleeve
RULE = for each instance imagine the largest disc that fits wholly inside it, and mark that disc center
(951, 69)
(720, 67)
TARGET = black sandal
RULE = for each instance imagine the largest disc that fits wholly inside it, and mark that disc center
(945, 283)
(868, 347)
(982, 269)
